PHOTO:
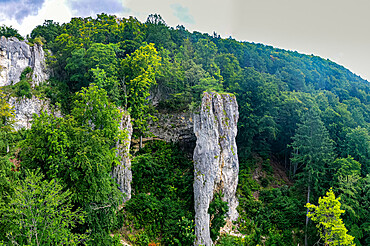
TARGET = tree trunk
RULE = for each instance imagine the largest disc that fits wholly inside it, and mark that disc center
(307, 219)
(141, 142)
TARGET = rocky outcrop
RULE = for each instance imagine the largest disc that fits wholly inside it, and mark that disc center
(216, 164)
(122, 172)
(15, 56)
(175, 127)
(159, 93)
(25, 108)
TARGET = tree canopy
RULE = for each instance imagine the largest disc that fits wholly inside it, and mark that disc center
(303, 127)
(327, 216)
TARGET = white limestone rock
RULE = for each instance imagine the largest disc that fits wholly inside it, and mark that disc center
(25, 108)
(216, 164)
(15, 56)
(122, 172)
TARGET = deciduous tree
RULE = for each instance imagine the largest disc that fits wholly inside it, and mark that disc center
(41, 214)
(139, 71)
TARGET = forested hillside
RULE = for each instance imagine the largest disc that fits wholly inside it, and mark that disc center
(303, 133)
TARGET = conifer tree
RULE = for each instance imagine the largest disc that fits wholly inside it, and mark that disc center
(312, 147)
(312, 152)
(327, 216)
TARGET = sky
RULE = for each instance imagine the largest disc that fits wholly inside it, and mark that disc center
(333, 29)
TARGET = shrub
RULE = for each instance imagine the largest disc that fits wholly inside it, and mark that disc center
(217, 209)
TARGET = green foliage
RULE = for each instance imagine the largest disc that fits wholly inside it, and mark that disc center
(230, 70)
(59, 94)
(25, 72)
(227, 240)
(9, 31)
(8, 184)
(345, 167)
(6, 113)
(41, 213)
(312, 150)
(267, 212)
(23, 89)
(327, 216)
(158, 32)
(276, 237)
(185, 231)
(217, 209)
(257, 95)
(48, 31)
(354, 193)
(275, 90)
(284, 206)
(139, 70)
(79, 66)
(271, 216)
(78, 150)
(163, 200)
(205, 53)
(358, 146)
(6, 123)
(364, 213)
(109, 84)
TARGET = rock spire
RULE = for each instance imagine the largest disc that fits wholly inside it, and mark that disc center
(216, 164)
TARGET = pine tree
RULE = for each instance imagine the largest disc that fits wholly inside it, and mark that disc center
(312, 147)
(312, 152)
(327, 215)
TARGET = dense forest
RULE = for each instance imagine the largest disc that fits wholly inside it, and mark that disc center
(304, 124)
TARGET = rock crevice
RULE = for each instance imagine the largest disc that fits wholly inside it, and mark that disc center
(216, 164)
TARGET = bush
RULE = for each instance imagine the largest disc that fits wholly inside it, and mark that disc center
(217, 209)
(162, 204)
(25, 72)
(23, 88)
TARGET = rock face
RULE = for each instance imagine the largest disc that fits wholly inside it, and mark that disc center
(175, 127)
(25, 108)
(216, 164)
(122, 172)
(15, 56)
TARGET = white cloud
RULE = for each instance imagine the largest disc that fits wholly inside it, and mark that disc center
(19, 9)
(51, 10)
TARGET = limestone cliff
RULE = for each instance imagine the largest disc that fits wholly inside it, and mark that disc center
(216, 164)
(175, 127)
(15, 56)
(122, 172)
(25, 107)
